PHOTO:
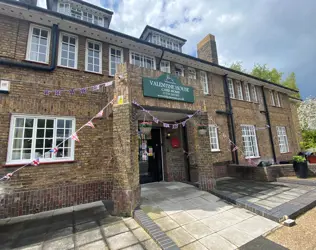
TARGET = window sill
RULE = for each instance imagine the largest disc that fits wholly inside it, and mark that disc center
(95, 73)
(216, 151)
(64, 67)
(9, 165)
(36, 62)
(285, 153)
(4, 91)
(252, 157)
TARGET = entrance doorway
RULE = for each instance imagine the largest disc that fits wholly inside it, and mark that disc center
(150, 157)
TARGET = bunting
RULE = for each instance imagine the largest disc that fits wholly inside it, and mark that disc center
(75, 137)
(90, 124)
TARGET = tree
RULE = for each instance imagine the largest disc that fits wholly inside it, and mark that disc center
(290, 82)
(238, 66)
(263, 72)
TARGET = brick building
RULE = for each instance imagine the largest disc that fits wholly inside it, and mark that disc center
(69, 46)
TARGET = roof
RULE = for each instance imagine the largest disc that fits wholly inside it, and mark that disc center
(86, 4)
(147, 28)
(116, 33)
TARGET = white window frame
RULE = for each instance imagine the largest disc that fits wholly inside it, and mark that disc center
(192, 73)
(165, 68)
(247, 92)
(80, 9)
(252, 139)
(213, 132)
(100, 56)
(179, 67)
(60, 50)
(231, 90)
(142, 57)
(29, 43)
(283, 140)
(110, 56)
(277, 97)
(240, 95)
(254, 93)
(272, 98)
(204, 82)
(33, 156)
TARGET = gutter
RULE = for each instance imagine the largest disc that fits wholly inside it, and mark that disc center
(269, 124)
(231, 123)
(29, 65)
(116, 33)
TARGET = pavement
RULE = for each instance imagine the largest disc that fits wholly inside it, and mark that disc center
(273, 200)
(87, 226)
(195, 219)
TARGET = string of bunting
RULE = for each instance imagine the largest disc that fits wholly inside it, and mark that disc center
(73, 136)
(84, 90)
(174, 125)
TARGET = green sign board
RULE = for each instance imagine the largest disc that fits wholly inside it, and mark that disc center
(167, 87)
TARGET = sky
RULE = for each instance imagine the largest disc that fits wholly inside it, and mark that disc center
(280, 33)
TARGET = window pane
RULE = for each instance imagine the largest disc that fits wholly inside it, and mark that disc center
(16, 154)
(39, 143)
(28, 133)
(27, 143)
(49, 133)
(68, 124)
(49, 143)
(26, 154)
(17, 143)
(40, 133)
(60, 133)
(41, 123)
(19, 122)
(49, 123)
(18, 133)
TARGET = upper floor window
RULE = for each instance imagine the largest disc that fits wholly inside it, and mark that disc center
(231, 88)
(165, 42)
(38, 44)
(204, 82)
(142, 60)
(68, 8)
(192, 73)
(68, 50)
(165, 66)
(116, 57)
(283, 142)
(247, 92)
(254, 93)
(94, 56)
(272, 98)
(239, 91)
(213, 138)
(179, 70)
(277, 99)
(249, 141)
(33, 136)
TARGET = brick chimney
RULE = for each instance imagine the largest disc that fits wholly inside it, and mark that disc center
(206, 49)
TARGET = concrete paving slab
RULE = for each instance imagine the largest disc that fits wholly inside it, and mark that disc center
(235, 236)
(150, 245)
(135, 247)
(141, 234)
(194, 246)
(122, 240)
(180, 236)
(153, 212)
(114, 228)
(58, 244)
(94, 246)
(183, 218)
(87, 237)
(217, 242)
(197, 229)
(166, 223)
(256, 226)
(131, 223)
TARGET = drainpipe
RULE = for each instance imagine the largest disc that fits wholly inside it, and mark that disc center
(160, 59)
(231, 123)
(28, 65)
(269, 124)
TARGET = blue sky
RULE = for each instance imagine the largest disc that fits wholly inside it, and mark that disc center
(280, 33)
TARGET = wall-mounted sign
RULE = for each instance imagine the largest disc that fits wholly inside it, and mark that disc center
(167, 87)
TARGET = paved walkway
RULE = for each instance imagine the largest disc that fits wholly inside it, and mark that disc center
(273, 200)
(87, 227)
(195, 219)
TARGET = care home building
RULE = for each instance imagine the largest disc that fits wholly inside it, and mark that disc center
(174, 117)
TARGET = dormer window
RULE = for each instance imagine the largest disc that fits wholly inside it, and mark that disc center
(77, 11)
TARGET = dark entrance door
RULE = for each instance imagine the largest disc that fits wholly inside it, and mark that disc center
(150, 167)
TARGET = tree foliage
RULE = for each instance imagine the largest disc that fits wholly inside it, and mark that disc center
(290, 82)
(309, 139)
(238, 66)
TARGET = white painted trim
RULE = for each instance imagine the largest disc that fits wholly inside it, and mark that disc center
(217, 141)
(122, 56)
(100, 55)
(141, 54)
(29, 43)
(255, 135)
(205, 91)
(60, 49)
(9, 160)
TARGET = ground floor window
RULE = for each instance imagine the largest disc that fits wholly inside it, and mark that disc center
(32, 137)
(249, 141)
(214, 138)
(283, 142)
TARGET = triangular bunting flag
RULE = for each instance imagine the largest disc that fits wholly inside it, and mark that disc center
(165, 125)
(183, 123)
(100, 114)
(54, 150)
(74, 136)
(8, 176)
(36, 162)
(90, 124)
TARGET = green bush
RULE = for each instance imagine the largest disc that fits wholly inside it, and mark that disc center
(299, 158)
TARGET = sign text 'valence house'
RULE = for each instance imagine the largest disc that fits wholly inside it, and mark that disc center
(167, 87)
